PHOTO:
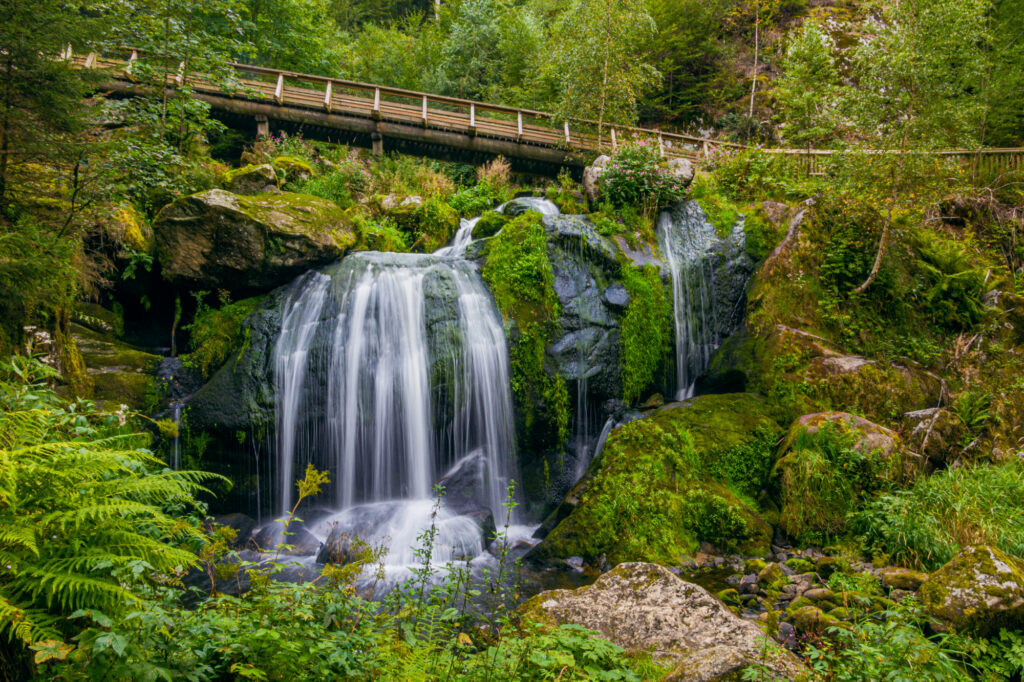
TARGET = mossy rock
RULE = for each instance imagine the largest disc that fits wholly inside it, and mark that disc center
(98, 318)
(293, 168)
(682, 475)
(980, 590)
(220, 240)
(897, 578)
(429, 224)
(772, 577)
(251, 179)
(120, 374)
(812, 620)
(490, 224)
(800, 565)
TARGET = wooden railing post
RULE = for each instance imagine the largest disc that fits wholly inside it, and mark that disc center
(327, 97)
(279, 89)
(424, 110)
(472, 118)
(567, 140)
(614, 141)
(90, 60)
(519, 125)
(376, 102)
(65, 54)
(661, 145)
(131, 62)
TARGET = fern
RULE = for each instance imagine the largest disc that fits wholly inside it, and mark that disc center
(82, 510)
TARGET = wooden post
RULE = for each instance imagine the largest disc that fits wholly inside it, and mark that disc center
(519, 125)
(472, 116)
(377, 143)
(279, 89)
(704, 148)
(567, 140)
(614, 143)
(424, 110)
(661, 145)
(131, 62)
(327, 96)
(65, 54)
(90, 60)
(179, 77)
(262, 126)
(376, 101)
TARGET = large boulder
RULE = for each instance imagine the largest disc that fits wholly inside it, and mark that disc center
(644, 608)
(682, 170)
(667, 482)
(221, 240)
(592, 178)
(980, 590)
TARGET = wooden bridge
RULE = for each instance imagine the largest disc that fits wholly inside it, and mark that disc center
(418, 122)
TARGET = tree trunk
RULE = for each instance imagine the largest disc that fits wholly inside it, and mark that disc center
(757, 45)
(887, 225)
(604, 91)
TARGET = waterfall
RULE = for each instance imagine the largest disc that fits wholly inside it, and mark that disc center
(391, 371)
(705, 310)
(462, 238)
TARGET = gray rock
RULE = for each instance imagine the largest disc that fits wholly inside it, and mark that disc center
(643, 607)
(902, 578)
(933, 432)
(616, 296)
(980, 590)
(261, 179)
(682, 169)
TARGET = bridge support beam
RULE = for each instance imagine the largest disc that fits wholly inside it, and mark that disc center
(377, 141)
(262, 126)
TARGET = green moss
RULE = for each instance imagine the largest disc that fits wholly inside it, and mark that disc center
(293, 167)
(761, 235)
(646, 333)
(490, 224)
(655, 495)
(436, 223)
(519, 274)
(800, 565)
(980, 590)
(216, 333)
(720, 211)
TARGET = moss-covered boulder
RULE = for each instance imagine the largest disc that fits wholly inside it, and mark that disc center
(221, 240)
(120, 374)
(251, 179)
(980, 590)
(489, 224)
(99, 319)
(687, 473)
(896, 578)
(428, 224)
(293, 169)
(934, 433)
(645, 608)
(827, 462)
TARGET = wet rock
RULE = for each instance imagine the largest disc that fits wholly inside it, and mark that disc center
(772, 575)
(251, 179)
(980, 590)
(811, 619)
(222, 240)
(242, 524)
(616, 296)
(643, 607)
(120, 374)
(902, 578)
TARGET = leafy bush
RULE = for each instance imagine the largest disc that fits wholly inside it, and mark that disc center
(82, 511)
(474, 200)
(636, 175)
(954, 286)
(925, 526)
(343, 185)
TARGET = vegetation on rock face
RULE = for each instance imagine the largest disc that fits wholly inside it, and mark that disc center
(216, 333)
(646, 332)
(519, 274)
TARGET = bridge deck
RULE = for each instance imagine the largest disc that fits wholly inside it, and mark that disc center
(438, 121)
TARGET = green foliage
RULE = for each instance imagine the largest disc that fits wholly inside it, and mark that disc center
(974, 410)
(807, 90)
(520, 277)
(82, 507)
(473, 201)
(216, 333)
(646, 332)
(344, 184)
(954, 286)
(823, 477)
(636, 175)
(925, 526)
(720, 211)
(381, 235)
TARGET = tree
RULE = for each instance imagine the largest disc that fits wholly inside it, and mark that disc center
(808, 89)
(915, 88)
(599, 59)
(761, 12)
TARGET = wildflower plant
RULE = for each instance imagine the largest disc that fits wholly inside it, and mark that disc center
(637, 175)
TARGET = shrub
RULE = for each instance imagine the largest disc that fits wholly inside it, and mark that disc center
(343, 185)
(646, 331)
(636, 175)
(496, 172)
(925, 526)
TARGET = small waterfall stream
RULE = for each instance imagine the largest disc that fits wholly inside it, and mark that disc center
(708, 275)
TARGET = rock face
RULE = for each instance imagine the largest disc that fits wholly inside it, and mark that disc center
(934, 433)
(120, 374)
(643, 607)
(980, 590)
(682, 169)
(222, 240)
(261, 179)
(870, 438)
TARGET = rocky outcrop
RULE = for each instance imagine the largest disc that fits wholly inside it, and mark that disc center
(868, 438)
(644, 608)
(934, 433)
(221, 240)
(592, 178)
(251, 179)
(980, 590)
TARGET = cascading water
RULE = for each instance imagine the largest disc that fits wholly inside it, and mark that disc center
(392, 371)
(705, 310)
